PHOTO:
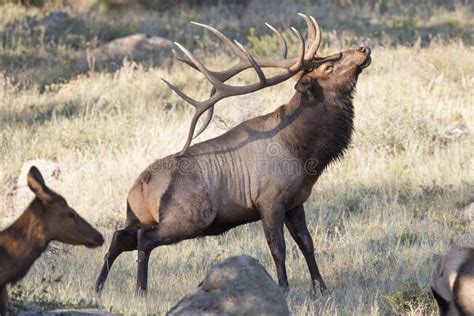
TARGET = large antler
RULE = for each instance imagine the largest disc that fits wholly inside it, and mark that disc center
(221, 90)
(314, 38)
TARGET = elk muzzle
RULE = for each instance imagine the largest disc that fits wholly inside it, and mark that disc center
(368, 60)
(78, 231)
(95, 239)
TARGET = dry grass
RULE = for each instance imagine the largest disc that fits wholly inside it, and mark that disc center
(379, 218)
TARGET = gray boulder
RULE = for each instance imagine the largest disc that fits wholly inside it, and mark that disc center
(235, 286)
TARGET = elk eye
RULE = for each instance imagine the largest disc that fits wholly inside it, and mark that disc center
(71, 215)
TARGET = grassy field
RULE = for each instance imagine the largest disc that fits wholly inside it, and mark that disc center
(379, 218)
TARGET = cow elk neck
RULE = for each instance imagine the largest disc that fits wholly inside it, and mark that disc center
(27, 236)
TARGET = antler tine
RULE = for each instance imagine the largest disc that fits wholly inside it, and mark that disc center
(223, 76)
(244, 64)
(301, 56)
(181, 94)
(283, 44)
(183, 59)
(192, 127)
(313, 49)
(224, 38)
(311, 29)
(212, 79)
(208, 118)
(252, 61)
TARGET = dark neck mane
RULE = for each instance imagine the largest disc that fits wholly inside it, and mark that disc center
(322, 126)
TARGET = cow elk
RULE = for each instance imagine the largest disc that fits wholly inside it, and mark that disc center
(263, 169)
(452, 282)
(47, 218)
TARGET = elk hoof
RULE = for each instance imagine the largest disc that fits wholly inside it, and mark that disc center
(141, 292)
(98, 289)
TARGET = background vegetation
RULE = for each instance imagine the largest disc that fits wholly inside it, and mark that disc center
(379, 218)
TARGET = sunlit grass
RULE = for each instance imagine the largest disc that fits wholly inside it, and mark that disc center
(379, 218)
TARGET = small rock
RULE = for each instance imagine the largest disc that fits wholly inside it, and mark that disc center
(129, 46)
(235, 286)
(55, 18)
(80, 312)
(467, 213)
(456, 131)
(64, 312)
(50, 171)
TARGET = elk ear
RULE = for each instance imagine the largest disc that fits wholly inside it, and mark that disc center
(36, 184)
(304, 84)
(327, 68)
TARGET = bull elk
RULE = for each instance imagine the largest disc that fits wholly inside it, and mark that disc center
(263, 169)
(452, 282)
(47, 218)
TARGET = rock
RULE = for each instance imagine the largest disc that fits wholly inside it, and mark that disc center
(235, 286)
(63, 312)
(467, 213)
(79, 312)
(23, 195)
(456, 131)
(55, 18)
(130, 46)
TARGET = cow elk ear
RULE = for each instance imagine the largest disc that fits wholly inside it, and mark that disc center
(304, 84)
(36, 184)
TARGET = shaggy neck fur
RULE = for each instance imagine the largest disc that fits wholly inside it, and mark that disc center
(22, 243)
(322, 124)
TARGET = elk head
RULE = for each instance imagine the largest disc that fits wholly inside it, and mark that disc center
(339, 71)
(61, 222)
(336, 73)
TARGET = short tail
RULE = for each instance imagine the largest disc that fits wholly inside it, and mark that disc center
(131, 219)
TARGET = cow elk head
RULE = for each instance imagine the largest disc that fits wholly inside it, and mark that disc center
(61, 222)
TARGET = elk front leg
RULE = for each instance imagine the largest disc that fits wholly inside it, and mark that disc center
(3, 300)
(273, 219)
(123, 240)
(296, 223)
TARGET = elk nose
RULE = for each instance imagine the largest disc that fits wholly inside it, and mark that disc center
(365, 49)
(99, 240)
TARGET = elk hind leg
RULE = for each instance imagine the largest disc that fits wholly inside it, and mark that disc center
(148, 239)
(185, 212)
(123, 240)
(172, 229)
(296, 223)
